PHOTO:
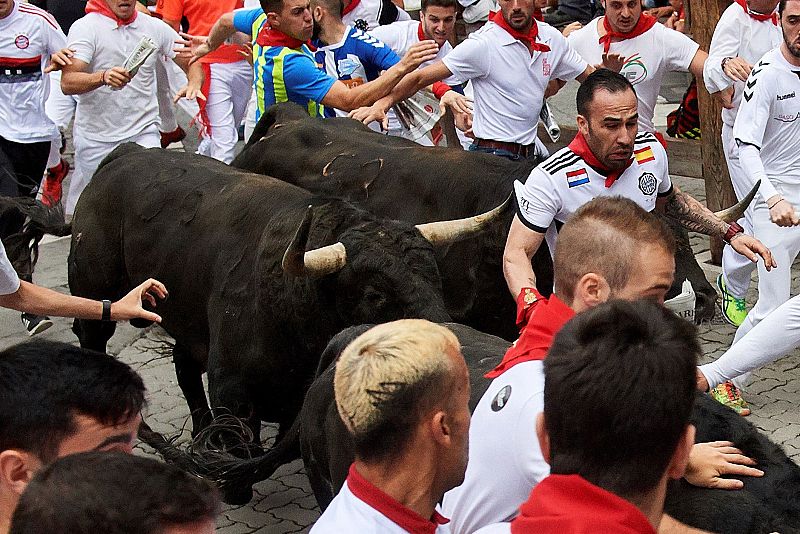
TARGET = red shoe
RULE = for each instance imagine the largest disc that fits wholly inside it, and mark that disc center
(51, 185)
(167, 138)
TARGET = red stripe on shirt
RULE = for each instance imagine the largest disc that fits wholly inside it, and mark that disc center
(33, 10)
(21, 61)
(573, 174)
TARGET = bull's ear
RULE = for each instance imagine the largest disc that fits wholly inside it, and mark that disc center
(736, 211)
(317, 262)
(447, 232)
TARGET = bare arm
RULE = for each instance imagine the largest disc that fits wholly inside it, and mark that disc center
(42, 301)
(521, 245)
(222, 30)
(695, 217)
(347, 99)
(77, 80)
(697, 64)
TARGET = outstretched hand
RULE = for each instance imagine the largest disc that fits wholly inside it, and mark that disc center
(370, 114)
(130, 306)
(751, 248)
(418, 54)
(709, 462)
(192, 47)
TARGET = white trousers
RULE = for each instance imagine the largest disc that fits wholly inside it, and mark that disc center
(774, 287)
(89, 153)
(736, 268)
(60, 108)
(169, 80)
(776, 335)
(250, 116)
(231, 84)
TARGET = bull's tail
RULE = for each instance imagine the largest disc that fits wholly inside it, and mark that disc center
(226, 470)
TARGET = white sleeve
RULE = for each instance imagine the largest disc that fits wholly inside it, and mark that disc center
(9, 281)
(724, 43)
(537, 201)
(569, 64)
(81, 40)
(388, 34)
(402, 14)
(495, 528)
(665, 185)
(56, 40)
(679, 48)
(777, 335)
(468, 60)
(525, 444)
(165, 39)
(753, 167)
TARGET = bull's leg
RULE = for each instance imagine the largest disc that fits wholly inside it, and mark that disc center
(190, 379)
(93, 335)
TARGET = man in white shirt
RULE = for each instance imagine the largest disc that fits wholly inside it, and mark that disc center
(367, 15)
(115, 106)
(650, 51)
(606, 158)
(746, 31)
(402, 391)
(510, 62)
(767, 132)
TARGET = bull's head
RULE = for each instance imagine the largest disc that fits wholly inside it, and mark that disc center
(331, 258)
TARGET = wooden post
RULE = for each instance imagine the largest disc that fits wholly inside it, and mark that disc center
(719, 191)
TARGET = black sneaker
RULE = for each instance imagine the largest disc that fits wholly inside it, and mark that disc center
(36, 324)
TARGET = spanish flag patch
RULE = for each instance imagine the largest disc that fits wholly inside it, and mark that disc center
(643, 155)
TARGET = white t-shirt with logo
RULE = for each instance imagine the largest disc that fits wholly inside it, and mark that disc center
(737, 35)
(28, 36)
(648, 57)
(768, 117)
(505, 461)
(9, 281)
(367, 13)
(508, 82)
(109, 115)
(564, 182)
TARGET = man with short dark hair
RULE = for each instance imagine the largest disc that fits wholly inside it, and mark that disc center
(113, 493)
(56, 400)
(402, 390)
(619, 390)
(607, 157)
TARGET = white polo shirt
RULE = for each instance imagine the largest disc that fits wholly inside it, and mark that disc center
(564, 182)
(648, 57)
(9, 281)
(400, 36)
(367, 14)
(505, 461)
(362, 508)
(508, 82)
(104, 114)
(769, 118)
(28, 36)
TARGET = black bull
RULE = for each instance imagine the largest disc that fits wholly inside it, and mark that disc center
(398, 179)
(259, 282)
(767, 504)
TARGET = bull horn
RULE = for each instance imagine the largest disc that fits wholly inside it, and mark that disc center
(447, 232)
(736, 211)
(317, 262)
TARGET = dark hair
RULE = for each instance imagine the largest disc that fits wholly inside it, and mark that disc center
(605, 236)
(44, 384)
(271, 6)
(112, 493)
(619, 389)
(425, 4)
(334, 7)
(605, 79)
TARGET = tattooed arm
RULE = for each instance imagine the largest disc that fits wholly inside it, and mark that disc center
(695, 217)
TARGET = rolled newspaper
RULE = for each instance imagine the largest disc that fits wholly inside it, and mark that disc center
(550, 123)
(139, 55)
(683, 304)
(419, 113)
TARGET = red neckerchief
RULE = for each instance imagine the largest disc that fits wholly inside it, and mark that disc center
(645, 23)
(350, 7)
(579, 147)
(568, 504)
(405, 518)
(529, 39)
(269, 37)
(549, 316)
(538, 14)
(101, 7)
(760, 17)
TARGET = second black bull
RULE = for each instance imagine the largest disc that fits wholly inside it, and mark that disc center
(399, 179)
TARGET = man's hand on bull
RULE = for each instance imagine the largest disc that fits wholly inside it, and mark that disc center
(459, 103)
(60, 59)
(130, 306)
(418, 54)
(372, 113)
(710, 462)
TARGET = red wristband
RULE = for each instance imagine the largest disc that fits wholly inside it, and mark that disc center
(440, 88)
(733, 229)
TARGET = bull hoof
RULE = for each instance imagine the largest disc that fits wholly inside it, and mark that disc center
(237, 496)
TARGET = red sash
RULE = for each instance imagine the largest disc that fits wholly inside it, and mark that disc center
(644, 23)
(529, 39)
(101, 7)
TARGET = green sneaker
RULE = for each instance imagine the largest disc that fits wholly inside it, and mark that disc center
(729, 395)
(733, 309)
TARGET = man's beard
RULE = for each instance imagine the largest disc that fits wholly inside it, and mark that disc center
(315, 30)
(793, 48)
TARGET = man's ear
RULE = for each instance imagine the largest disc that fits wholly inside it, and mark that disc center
(680, 458)
(592, 289)
(272, 20)
(544, 437)
(316, 12)
(17, 469)
(440, 428)
(583, 124)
